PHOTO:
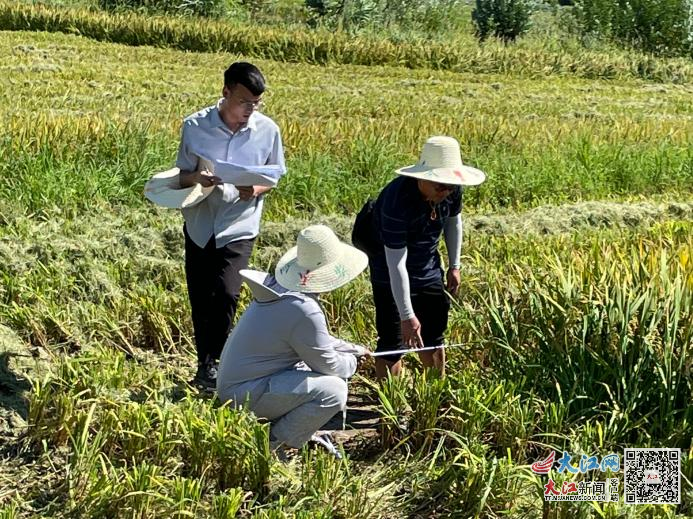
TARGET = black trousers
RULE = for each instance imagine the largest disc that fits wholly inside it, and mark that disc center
(214, 286)
(431, 307)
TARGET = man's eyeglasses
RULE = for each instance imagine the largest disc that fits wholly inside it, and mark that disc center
(250, 105)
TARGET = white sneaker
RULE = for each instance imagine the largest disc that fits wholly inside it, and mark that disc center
(325, 440)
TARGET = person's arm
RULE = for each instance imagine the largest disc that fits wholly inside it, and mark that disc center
(453, 234)
(354, 349)
(313, 343)
(276, 156)
(399, 281)
(401, 293)
(188, 164)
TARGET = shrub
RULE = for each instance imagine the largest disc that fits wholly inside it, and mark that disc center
(427, 15)
(662, 27)
(505, 19)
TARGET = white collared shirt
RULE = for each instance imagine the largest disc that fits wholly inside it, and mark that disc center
(223, 214)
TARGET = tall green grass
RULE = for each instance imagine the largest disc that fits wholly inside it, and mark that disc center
(323, 47)
(137, 443)
(576, 341)
(96, 135)
(599, 322)
(577, 318)
(71, 168)
(607, 334)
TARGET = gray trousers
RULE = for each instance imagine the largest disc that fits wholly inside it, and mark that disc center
(298, 403)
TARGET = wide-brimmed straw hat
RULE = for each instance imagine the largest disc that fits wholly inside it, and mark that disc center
(441, 161)
(319, 262)
(164, 189)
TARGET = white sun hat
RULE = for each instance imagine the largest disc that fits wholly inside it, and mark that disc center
(319, 262)
(441, 161)
(164, 189)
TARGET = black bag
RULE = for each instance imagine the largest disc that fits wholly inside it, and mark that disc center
(364, 235)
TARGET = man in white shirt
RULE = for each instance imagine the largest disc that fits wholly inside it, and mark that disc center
(220, 231)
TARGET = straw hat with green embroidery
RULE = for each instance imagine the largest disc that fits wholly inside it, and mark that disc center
(319, 262)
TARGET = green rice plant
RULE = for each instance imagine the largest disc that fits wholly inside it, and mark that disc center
(514, 419)
(344, 311)
(519, 179)
(616, 338)
(554, 416)
(137, 489)
(84, 454)
(393, 397)
(213, 443)
(139, 486)
(187, 494)
(468, 415)
(429, 400)
(279, 513)
(51, 413)
(515, 427)
(465, 482)
(135, 426)
(225, 446)
(10, 511)
(496, 412)
(330, 485)
(227, 504)
(593, 143)
(315, 484)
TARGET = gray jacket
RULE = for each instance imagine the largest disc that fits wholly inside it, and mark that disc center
(281, 330)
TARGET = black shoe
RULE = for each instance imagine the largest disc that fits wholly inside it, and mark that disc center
(206, 376)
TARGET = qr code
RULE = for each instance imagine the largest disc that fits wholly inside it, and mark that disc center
(652, 476)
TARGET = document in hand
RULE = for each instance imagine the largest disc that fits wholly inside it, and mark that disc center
(239, 175)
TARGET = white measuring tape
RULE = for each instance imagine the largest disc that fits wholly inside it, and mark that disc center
(414, 350)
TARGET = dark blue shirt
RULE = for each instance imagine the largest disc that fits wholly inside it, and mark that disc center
(402, 218)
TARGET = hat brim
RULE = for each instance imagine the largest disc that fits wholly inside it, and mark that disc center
(164, 190)
(350, 263)
(256, 281)
(460, 176)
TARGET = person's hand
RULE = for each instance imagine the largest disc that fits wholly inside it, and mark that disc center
(411, 333)
(202, 177)
(248, 192)
(207, 179)
(361, 351)
(362, 355)
(453, 281)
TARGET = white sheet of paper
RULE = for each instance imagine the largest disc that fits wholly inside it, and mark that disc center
(240, 175)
